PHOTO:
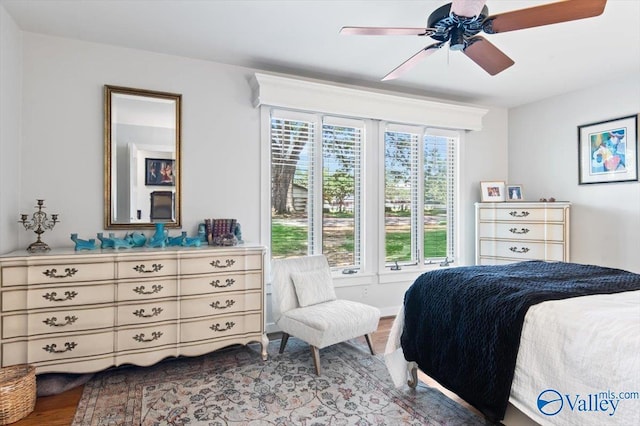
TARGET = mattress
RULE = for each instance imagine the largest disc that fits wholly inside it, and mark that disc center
(578, 361)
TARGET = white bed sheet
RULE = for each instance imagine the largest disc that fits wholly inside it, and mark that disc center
(580, 347)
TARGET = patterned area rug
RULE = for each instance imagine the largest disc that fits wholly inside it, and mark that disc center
(234, 386)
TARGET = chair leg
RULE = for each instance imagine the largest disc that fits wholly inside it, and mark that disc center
(316, 358)
(283, 341)
(368, 337)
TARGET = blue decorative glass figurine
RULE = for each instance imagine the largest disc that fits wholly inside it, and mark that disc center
(83, 244)
(159, 239)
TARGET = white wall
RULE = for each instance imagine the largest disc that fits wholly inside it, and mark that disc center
(543, 157)
(62, 145)
(10, 101)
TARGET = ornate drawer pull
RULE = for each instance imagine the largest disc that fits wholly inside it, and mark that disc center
(68, 347)
(143, 269)
(229, 325)
(52, 322)
(52, 273)
(228, 263)
(523, 214)
(154, 313)
(154, 336)
(522, 250)
(516, 231)
(227, 304)
(52, 296)
(156, 288)
(229, 283)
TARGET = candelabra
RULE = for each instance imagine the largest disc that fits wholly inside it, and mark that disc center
(38, 223)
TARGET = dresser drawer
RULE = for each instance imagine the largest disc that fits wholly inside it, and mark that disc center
(220, 304)
(55, 348)
(147, 289)
(516, 214)
(144, 313)
(521, 231)
(56, 273)
(522, 250)
(60, 321)
(221, 282)
(221, 263)
(52, 297)
(146, 337)
(147, 268)
(220, 327)
(496, 261)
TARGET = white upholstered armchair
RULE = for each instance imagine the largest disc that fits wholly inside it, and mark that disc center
(305, 306)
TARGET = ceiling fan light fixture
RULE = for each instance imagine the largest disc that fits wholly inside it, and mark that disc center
(460, 23)
(457, 39)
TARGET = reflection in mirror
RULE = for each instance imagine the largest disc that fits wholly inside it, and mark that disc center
(142, 158)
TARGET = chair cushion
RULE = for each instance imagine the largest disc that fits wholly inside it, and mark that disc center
(313, 287)
(331, 322)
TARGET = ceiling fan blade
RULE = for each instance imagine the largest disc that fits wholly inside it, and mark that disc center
(488, 56)
(467, 8)
(412, 61)
(547, 14)
(386, 31)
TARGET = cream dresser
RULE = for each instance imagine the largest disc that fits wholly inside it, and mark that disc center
(513, 232)
(67, 311)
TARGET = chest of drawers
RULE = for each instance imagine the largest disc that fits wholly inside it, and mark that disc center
(513, 232)
(67, 311)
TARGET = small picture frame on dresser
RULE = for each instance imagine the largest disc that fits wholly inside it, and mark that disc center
(492, 191)
(514, 193)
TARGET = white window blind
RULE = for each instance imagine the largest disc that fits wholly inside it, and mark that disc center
(342, 195)
(439, 196)
(401, 195)
(292, 173)
(316, 187)
(419, 195)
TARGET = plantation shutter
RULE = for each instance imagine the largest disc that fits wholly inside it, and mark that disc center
(402, 194)
(292, 183)
(440, 148)
(342, 190)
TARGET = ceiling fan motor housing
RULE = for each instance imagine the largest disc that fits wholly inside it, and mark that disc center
(457, 30)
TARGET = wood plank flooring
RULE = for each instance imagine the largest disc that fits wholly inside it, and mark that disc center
(58, 410)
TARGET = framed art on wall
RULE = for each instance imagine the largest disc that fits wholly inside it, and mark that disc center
(608, 151)
(492, 191)
(514, 193)
(159, 171)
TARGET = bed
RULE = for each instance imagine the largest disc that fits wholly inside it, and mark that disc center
(559, 341)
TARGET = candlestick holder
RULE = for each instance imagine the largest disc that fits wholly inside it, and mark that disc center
(39, 223)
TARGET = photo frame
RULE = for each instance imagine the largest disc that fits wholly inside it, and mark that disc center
(514, 193)
(159, 171)
(608, 151)
(492, 191)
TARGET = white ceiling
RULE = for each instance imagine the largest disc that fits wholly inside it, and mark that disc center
(301, 37)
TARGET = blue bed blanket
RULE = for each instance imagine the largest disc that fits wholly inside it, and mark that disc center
(462, 325)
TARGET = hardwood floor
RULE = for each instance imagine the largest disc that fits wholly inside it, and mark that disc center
(58, 410)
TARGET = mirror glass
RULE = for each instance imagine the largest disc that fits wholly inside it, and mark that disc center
(142, 158)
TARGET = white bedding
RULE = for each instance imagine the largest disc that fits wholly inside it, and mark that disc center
(582, 348)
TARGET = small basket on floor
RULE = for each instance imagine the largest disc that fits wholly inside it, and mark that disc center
(17, 392)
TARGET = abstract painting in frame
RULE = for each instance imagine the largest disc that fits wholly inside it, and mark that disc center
(608, 151)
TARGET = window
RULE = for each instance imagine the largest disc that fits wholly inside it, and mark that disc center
(364, 177)
(419, 195)
(316, 187)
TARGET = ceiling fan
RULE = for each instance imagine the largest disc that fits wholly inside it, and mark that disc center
(460, 22)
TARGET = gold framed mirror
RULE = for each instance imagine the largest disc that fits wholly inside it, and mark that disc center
(141, 158)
